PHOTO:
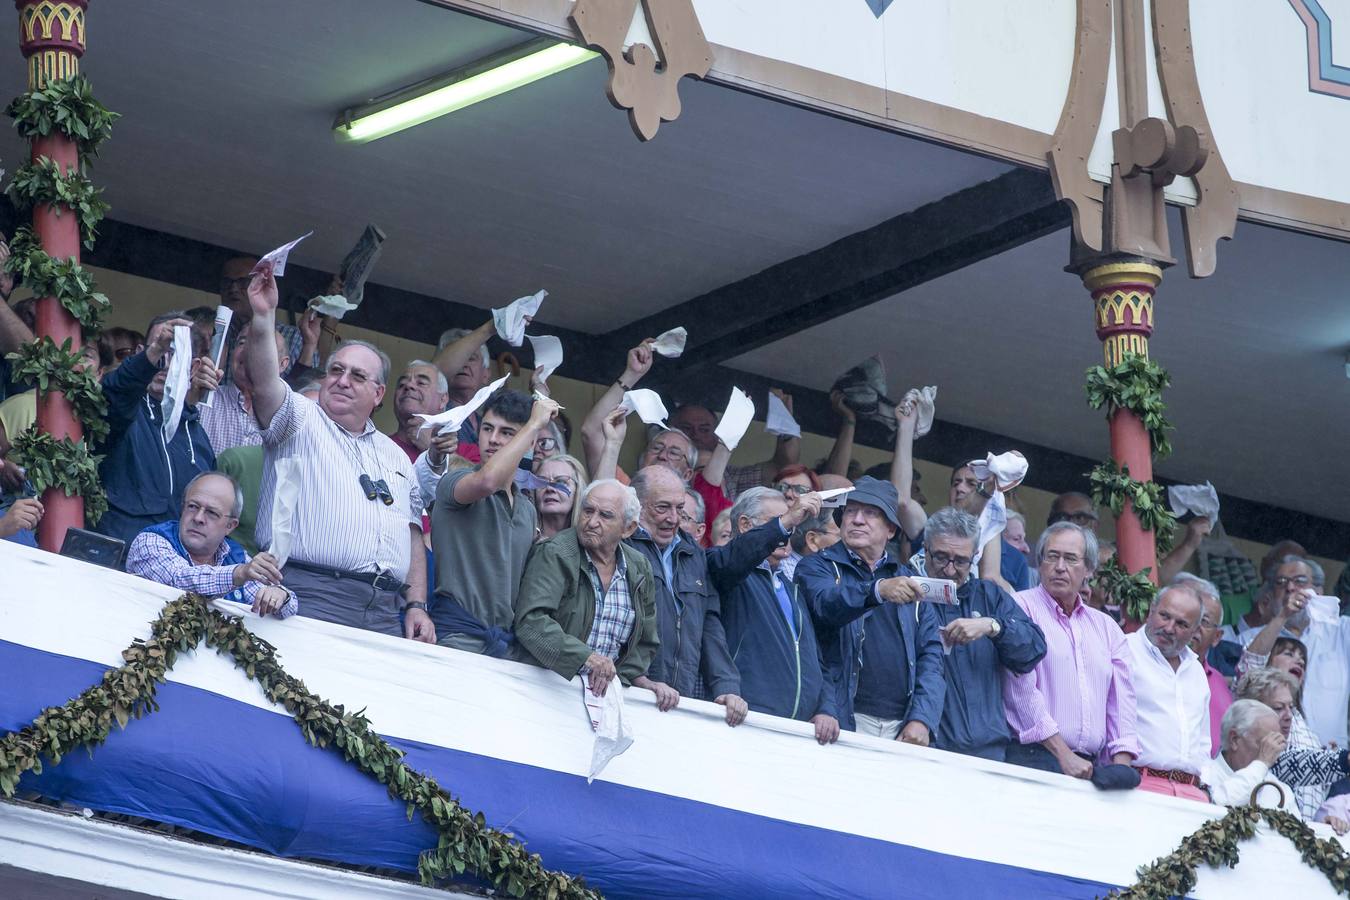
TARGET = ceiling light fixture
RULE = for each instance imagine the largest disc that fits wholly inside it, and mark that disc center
(465, 86)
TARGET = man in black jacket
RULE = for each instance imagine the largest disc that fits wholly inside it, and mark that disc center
(693, 652)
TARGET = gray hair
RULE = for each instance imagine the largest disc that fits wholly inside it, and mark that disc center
(1090, 551)
(632, 507)
(1014, 515)
(1319, 575)
(1240, 719)
(1314, 570)
(655, 431)
(817, 523)
(1259, 683)
(951, 522)
(442, 386)
(700, 510)
(1199, 585)
(383, 377)
(1183, 588)
(237, 508)
(750, 503)
(450, 335)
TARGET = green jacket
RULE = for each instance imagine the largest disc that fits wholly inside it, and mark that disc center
(556, 609)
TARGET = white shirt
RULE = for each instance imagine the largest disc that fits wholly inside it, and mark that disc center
(1326, 684)
(1172, 707)
(1229, 788)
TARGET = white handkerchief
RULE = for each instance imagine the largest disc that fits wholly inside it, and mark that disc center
(548, 354)
(1200, 499)
(834, 497)
(451, 419)
(1326, 610)
(510, 320)
(334, 305)
(613, 735)
(671, 343)
(778, 420)
(647, 404)
(1008, 469)
(736, 418)
(926, 401)
(285, 497)
(993, 519)
(177, 383)
(278, 256)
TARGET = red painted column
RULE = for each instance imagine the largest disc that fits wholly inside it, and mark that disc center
(1122, 294)
(52, 40)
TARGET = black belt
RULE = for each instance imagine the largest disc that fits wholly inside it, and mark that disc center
(380, 581)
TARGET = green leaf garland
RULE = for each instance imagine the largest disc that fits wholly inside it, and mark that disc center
(1135, 384)
(69, 282)
(1112, 486)
(65, 106)
(60, 369)
(41, 182)
(466, 843)
(64, 464)
(1132, 591)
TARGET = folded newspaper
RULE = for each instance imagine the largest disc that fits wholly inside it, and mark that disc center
(864, 390)
(356, 266)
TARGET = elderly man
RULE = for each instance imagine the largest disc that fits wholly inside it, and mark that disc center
(1077, 707)
(1073, 507)
(462, 356)
(483, 526)
(969, 495)
(229, 421)
(1207, 636)
(1172, 696)
(1326, 686)
(688, 614)
(587, 600)
(355, 514)
(987, 632)
(701, 425)
(421, 390)
(693, 517)
(767, 623)
(144, 475)
(1251, 744)
(809, 538)
(881, 650)
(194, 552)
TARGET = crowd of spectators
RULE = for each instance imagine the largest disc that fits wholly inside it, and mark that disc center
(691, 577)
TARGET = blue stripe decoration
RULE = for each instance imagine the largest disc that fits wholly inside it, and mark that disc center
(233, 770)
(1330, 78)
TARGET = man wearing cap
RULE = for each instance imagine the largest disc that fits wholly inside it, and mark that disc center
(882, 652)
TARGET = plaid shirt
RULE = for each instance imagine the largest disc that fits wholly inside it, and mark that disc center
(614, 613)
(739, 479)
(227, 423)
(154, 559)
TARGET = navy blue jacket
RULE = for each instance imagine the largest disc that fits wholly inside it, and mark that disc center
(144, 477)
(779, 675)
(839, 592)
(689, 622)
(973, 721)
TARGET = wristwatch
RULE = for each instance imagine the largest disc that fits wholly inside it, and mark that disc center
(415, 604)
(995, 628)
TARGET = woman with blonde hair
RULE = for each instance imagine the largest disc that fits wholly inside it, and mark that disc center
(556, 502)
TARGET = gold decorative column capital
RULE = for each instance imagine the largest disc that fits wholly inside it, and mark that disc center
(1122, 295)
(51, 37)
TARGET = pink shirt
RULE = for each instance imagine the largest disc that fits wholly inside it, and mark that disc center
(1220, 698)
(1081, 689)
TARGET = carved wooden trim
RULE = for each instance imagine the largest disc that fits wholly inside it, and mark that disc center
(1078, 123)
(643, 80)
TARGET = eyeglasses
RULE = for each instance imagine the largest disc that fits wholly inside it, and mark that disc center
(545, 444)
(192, 507)
(356, 376)
(943, 560)
(785, 488)
(672, 452)
(1296, 580)
(1054, 557)
(227, 283)
(1081, 519)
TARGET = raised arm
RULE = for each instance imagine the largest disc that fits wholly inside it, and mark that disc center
(615, 428)
(593, 426)
(497, 473)
(264, 366)
(1197, 530)
(788, 450)
(456, 354)
(912, 515)
(842, 452)
(1265, 640)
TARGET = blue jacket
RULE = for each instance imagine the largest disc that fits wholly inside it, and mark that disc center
(973, 721)
(143, 476)
(840, 592)
(780, 675)
(689, 622)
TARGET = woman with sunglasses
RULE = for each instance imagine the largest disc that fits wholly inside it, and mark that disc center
(556, 503)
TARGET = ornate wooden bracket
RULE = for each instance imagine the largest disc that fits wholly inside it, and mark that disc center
(1128, 216)
(643, 80)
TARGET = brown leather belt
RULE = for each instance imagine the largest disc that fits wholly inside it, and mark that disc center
(1172, 775)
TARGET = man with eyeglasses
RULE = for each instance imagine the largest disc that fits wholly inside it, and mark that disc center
(235, 275)
(355, 523)
(143, 473)
(880, 648)
(194, 552)
(1290, 600)
(692, 659)
(985, 635)
(1076, 709)
(1073, 507)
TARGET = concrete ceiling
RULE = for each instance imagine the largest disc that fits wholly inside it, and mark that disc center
(226, 138)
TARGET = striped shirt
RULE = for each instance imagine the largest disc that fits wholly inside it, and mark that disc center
(1081, 689)
(153, 558)
(334, 524)
(614, 613)
(227, 423)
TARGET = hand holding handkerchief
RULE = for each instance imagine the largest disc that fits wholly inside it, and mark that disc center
(451, 419)
(778, 420)
(333, 305)
(671, 343)
(510, 321)
(736, 418)
(647, 404)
